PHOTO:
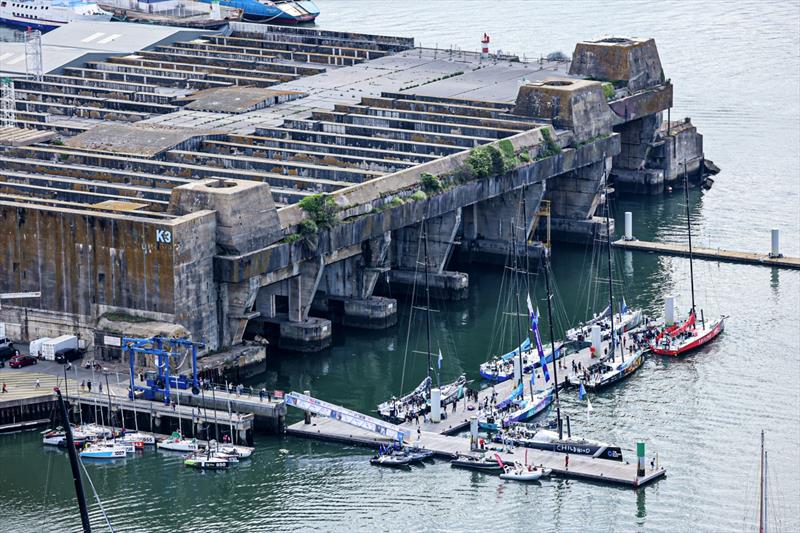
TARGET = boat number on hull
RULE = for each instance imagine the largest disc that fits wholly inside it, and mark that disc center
(164, 236)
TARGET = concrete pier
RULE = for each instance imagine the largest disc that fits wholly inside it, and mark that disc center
(270, 181)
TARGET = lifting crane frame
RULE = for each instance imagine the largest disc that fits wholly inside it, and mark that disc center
(156, 346)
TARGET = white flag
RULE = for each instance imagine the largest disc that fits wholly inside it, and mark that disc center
(530, 305)
(588, 405)
(440, 358)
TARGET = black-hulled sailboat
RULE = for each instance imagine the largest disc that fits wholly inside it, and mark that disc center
(608, 371)
(417, 402)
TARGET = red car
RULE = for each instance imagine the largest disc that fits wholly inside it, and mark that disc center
(19, 361)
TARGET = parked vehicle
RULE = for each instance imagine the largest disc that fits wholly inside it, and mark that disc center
(7, 352)
(36, 346)
(53, 346)
(69, 354)
(5, 341)
(18, 361)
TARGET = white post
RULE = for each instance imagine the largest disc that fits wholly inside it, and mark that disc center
(596, 339)
(776, 247)
(628, 226)
(473, 431)
(669, 310)
(436, 405)
(517, 370)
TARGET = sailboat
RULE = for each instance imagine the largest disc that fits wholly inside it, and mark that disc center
(515, 408)
(417, 402)
(678, 339)
(606, 371)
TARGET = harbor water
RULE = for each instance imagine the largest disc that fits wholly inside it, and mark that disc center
(736, 72)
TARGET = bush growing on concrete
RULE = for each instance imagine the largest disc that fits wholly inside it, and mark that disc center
(308, 227)
(430, 183)
(479, 161)
(321, 209)
(608, 90)
(294, 237)
(396, 201)
(419, 195)
(551, 147)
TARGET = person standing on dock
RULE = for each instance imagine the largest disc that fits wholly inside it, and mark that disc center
(38, 384)
(89, 386)
(83, 385)
(5, 388)
(566, 462)
(261, 394)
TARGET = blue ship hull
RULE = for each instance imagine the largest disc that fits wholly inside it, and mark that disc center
(25, 24)
(254, 11)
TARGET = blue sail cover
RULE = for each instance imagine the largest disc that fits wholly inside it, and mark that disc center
(526, 344)
(511, 397)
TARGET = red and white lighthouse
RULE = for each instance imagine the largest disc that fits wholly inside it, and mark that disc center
(485, 46)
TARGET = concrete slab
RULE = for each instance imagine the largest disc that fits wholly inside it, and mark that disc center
(134, 139)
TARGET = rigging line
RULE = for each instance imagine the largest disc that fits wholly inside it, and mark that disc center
(410, 314)
(47, 477)
(96, 497)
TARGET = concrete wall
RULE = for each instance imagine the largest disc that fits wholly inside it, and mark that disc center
(83, 261)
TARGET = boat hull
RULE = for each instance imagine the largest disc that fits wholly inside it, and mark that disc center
(598, 451)
(696, 343)
(493, 468)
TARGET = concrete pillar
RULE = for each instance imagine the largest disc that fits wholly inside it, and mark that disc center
(669, 310)
(238, 300)
(574, 197)
(488, 224)
(776, 246)
(473, 432)
(407, 251)
(436, 405)
(628, 226)
(352, 281)
(302, 289)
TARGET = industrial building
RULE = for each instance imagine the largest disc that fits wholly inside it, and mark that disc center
(150, 176)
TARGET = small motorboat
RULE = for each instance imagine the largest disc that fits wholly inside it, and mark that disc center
(483, 463)
(417, 455)
(144, 438)
(57, 437)
(242, 452)
(390, 461)
(103, 451)
(177, 443)
(520, 472)
(206, 462)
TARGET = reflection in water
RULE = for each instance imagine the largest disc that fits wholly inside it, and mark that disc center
(628, 264)
(641, 507)
(774, 279)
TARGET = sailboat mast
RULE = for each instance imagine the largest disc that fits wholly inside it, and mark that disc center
(516, 299)
(552, 343)
(610, 276)
(427, 300)
(527, 262)
(762, 501)
(689, 230)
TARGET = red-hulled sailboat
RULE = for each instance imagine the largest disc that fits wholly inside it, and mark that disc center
(677, 339)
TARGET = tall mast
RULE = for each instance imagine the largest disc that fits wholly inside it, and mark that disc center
(427, 300)
(527, 262)
(516, 299)
(689, 230)
(73, 463)
(762, 501)
(552, 344)
(610, 277)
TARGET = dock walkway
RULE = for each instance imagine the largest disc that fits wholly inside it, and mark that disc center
(714, 254)
(441, 439)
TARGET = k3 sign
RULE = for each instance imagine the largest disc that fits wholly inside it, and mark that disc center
(164, 236)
